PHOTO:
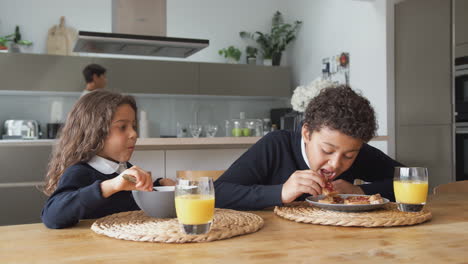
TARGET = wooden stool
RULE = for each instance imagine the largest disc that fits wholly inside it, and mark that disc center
(453, 187)
(199, 173)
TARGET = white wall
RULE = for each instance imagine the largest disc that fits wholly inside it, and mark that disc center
(333, 26)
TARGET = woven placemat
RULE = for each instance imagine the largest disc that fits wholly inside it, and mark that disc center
(388, 216)
(136, 226)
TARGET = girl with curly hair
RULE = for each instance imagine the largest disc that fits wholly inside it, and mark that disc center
(331, 147)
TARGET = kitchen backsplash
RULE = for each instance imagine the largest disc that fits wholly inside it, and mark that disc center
(163, 111)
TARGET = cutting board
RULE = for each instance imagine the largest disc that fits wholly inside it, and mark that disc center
(60, 39)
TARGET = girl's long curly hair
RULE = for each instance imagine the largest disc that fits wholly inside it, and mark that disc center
(342, 109)
(83, 135)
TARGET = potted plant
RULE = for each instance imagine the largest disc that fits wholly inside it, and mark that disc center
(251, 55)
(274, 43)
(15, 41)
(232, 54)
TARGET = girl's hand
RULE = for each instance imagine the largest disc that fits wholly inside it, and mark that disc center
(143, 180)
(342, 186)
(167, 182)
(305, 181)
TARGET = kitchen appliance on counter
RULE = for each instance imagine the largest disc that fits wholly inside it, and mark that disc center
(21, 129)
(461, 89)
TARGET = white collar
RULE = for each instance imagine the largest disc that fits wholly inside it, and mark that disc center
(304, 154)
(106, 166)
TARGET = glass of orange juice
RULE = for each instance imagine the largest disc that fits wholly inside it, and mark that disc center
(195, 202)
(410, 185)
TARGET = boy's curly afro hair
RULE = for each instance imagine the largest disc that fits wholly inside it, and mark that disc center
(340, 108)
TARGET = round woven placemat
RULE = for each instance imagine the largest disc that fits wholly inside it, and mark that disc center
(389, 215)
(136, 226)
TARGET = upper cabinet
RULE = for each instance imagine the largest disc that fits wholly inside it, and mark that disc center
(64, 73)
(150, 76)
(249, 80)
(42, 72)
(461, 28)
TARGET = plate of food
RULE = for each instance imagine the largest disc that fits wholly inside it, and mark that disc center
(348, 202)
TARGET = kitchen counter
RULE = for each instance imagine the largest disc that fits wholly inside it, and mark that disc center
(170, 143)
(441, 240)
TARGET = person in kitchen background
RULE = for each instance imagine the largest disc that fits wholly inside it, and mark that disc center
(285, 166)
(85, 177)
(95, 78)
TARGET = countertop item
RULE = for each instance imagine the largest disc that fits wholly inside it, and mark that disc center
(20, 129)
(441, 240)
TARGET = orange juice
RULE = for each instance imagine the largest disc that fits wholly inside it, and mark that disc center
(194, 209)
(410, 192)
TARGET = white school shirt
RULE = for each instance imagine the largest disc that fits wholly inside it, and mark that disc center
(106, 166)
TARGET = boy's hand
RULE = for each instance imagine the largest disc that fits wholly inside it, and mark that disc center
(342, 186)
(305, 181)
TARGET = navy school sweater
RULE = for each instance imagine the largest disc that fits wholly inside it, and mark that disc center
(79, 196)
(256, 179)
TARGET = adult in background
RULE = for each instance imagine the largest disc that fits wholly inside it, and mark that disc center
(95, 77)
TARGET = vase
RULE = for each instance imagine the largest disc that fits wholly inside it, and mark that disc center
(267, 62)
(276, 58)
(251, 60)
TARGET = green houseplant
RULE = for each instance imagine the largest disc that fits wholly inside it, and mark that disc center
(272, 44)
(251, 55)
(231, 53)
(15, 40)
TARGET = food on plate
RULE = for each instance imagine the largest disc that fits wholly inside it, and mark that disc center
(358, 199)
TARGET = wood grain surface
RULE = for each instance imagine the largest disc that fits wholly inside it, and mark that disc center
(444, 239)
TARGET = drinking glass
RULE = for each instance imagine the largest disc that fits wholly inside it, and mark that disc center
(195, 130)
(410, 185)
(211, 130)
(195, 202)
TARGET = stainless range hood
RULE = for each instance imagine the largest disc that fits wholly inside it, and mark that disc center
(129, 44)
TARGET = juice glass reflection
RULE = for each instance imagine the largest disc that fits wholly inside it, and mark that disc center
(195, 202)
(410, 185)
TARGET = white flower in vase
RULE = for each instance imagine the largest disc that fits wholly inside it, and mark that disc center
(303, 94)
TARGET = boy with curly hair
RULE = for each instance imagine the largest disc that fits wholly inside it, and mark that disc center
(331, 146)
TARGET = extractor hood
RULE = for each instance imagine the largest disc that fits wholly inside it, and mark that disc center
(129, 44)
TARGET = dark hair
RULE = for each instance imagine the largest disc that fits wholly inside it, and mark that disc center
(85, 130)
(92, 69)
(340, 108)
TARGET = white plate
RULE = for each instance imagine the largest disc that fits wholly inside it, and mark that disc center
(345, 207)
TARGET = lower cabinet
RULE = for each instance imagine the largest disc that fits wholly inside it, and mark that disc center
(21, 205)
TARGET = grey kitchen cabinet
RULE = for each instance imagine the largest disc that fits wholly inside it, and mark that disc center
(21, 205)
(35, 72)
(461, 28)
(248, 80)
(427, 146)
(461, 22)
(423, 87)
(23, 173)
(150, 76)
(423, 62)
(23, 163)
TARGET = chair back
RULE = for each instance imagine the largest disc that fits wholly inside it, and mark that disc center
(453, 187)
(199, 173)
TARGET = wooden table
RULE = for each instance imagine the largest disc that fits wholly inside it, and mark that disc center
(442, 240)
